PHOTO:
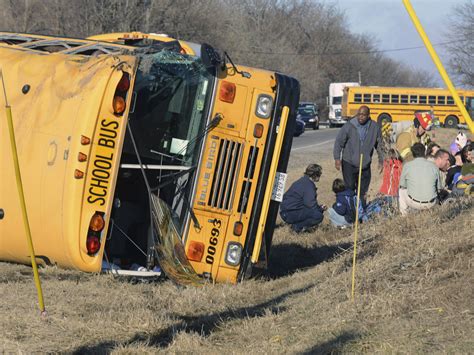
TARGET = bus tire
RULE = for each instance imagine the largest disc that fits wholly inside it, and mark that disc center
(384, 117)
(451, 122)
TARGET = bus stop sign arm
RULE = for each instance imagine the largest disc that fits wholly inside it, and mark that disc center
(438, 64)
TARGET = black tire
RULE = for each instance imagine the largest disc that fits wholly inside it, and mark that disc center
(451, 122)
(384, 117)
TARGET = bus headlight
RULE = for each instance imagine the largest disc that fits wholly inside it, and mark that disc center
(264, 106)
(233, 254)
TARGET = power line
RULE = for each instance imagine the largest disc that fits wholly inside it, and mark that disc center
(345, 53)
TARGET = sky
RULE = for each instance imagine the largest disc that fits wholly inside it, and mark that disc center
(391, 25)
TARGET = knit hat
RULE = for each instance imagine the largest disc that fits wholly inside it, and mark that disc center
(424, 119)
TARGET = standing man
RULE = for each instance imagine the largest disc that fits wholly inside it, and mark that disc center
(414, 134)
(358, 136)
(419, 183)
(300, 207)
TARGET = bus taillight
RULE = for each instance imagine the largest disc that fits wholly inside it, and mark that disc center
(97, 222)
(96, 225)
(119, 105)
(92, 244)
(124, 83)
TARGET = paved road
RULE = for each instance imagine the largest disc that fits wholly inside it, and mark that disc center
(321, 140)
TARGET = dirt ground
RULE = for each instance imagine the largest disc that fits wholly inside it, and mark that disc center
(414, 288)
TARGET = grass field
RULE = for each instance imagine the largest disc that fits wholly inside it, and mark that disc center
(414, 294)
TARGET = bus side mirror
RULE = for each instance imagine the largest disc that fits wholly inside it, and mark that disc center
(210, 57)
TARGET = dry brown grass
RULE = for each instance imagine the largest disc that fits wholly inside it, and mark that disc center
(415, 282)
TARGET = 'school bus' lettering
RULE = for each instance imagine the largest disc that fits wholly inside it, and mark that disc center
(102, 163)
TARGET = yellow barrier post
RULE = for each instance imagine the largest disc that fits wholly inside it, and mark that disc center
(356, 227)
(19, 184)
(438, 64)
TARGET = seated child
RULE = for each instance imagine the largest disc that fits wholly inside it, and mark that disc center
(343, 211)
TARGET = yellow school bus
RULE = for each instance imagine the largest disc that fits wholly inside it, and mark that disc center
(394, 104)
(139, 149)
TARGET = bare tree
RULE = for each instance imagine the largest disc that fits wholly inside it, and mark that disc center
(461, 45)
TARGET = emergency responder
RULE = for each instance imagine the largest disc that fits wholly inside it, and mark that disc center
(416, 133)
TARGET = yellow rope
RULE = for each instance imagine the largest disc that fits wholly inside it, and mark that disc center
(21, 194)
(356, 228)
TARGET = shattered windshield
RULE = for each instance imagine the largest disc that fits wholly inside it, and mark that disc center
(169, 110)
(170, 97)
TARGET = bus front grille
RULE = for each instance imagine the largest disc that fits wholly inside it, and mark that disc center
(225, 175)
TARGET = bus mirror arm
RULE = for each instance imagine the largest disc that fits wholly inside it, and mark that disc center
(244, 74)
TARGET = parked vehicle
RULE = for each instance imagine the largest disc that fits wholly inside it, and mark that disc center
(299, 128)
(334, 101)
(309, 113)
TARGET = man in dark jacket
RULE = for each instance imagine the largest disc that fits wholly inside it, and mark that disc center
(300, 207)
(358, 136)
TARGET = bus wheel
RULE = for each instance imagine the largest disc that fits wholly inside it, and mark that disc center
(451, 122)
(384, 117)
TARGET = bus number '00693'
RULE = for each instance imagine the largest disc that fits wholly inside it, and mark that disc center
(213, 240)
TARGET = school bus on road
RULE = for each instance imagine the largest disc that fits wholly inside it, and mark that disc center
(139, 149)
(395, 104)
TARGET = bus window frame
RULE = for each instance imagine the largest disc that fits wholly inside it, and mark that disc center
(414, 99)
(385, 98)
(395, 98)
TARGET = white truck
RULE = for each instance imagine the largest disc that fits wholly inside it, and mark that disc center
(334, 103)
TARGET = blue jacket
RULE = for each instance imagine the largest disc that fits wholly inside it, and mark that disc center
(301, 194)
(345, 205)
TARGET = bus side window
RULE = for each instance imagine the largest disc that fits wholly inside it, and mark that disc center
(358, 98)
(450, 100)
(376, 97)
(432, 100)
(367, 97)
(395, 99)
(404, 99)
(413, 99)
(470, 102)
(422, 99)
(385, 98)
(462, 98)
(441, 100)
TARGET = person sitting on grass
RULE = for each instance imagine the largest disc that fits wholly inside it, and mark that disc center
(300, 207)
(419, 182)
(343, 211)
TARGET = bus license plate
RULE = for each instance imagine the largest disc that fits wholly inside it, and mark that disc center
(279, 186)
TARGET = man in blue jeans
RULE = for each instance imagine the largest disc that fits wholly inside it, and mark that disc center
(300, 207)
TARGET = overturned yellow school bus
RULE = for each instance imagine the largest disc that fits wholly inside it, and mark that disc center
(141, 149)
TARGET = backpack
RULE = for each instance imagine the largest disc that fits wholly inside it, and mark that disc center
(465, 184)
(352, 203)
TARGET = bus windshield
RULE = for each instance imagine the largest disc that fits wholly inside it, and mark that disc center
(172, 91)
(168, 119)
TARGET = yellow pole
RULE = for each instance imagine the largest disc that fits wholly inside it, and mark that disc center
(438, 64)
(356, 228)
(21, 194)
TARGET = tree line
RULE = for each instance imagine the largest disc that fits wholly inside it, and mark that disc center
(306, 39)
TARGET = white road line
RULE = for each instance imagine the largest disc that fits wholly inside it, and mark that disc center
(314, 145)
